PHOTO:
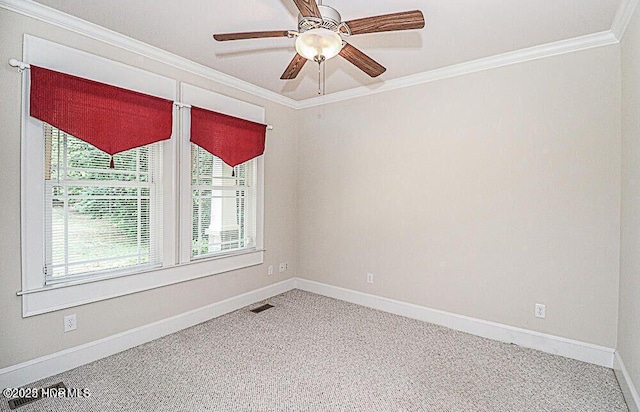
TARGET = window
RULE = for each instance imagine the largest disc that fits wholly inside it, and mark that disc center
(100, 220)
(223, 205)
(222, 208)
(167, 212)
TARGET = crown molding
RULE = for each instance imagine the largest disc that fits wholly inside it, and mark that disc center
(532, 53)
(623, 17)
(55, 17)
(49, 15)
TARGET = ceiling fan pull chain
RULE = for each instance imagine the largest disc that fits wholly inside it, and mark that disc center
(319, 77)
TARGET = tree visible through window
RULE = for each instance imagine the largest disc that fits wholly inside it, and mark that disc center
(99, 218)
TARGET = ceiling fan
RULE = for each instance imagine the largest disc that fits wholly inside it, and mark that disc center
(320, 36)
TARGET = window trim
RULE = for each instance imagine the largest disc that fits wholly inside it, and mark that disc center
(37, 298)
(65, 295)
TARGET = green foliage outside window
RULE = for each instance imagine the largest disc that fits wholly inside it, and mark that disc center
(85, 163)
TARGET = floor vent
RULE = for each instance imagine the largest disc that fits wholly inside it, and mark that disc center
(261, 308)
(16, 403)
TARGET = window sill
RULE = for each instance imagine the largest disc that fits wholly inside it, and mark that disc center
(80, 292)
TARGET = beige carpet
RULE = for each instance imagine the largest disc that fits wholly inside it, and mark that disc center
(312, 353)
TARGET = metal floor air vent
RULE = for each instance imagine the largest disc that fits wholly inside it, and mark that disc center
(261, 308)
(16, 403)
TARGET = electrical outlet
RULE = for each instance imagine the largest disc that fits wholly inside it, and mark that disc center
(369, 277)
(286, 266)
(541, 311)
(270, 272)
(70, 323)
(282, 267)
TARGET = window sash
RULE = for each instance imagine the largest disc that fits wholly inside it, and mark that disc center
(131, 243)
(223, 205)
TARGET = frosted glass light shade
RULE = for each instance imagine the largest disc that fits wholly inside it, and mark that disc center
(318, 43)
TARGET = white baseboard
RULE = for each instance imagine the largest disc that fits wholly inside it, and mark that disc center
(58, 362)
(40, 368)
(556, 345)
(626, 384)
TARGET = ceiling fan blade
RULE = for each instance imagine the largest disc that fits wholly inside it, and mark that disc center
(251, 35)
(405, 20)
(362, 61)
(294, 67)
(308, 8)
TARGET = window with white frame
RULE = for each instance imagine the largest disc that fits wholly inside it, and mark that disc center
(222, 211)
(100, 220)
(223, 205)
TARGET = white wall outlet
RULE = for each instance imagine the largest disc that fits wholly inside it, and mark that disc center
(70, 323)
(369, 277)
(282, 267)
(541, 311)
(286, 265)
(270, 272)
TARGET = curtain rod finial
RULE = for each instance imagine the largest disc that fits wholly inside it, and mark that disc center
(20, 65)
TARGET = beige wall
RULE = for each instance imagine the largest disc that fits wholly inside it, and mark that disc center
(629, 318)
(24, 339)
(479, 195)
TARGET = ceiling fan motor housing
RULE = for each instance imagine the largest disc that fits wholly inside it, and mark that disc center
(331, 20)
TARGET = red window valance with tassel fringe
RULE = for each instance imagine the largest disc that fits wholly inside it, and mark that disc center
(108, 117)
(231, 139)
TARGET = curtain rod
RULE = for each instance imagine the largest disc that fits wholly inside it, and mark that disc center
(22, 66)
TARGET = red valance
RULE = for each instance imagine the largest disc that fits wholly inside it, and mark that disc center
(231, 139)
(108, 117)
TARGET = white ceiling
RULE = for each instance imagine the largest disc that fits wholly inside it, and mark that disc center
(456, 31)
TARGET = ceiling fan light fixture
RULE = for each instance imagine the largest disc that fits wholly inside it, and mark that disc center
(318, 44)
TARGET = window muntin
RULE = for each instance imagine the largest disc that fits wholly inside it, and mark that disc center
(99, 220)
(223, 205)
